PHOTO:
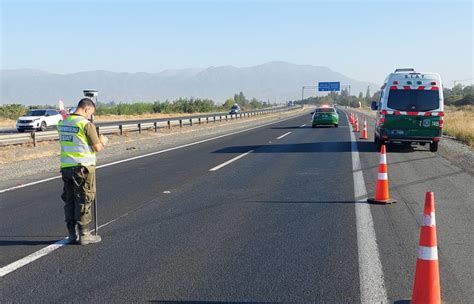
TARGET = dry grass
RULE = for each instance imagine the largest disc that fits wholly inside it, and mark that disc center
(459, 122)
(7, 123)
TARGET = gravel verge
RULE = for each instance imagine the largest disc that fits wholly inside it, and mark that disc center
(20, 164)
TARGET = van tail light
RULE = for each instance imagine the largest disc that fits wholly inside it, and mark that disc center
(441, 122)
(382, 118)
(436, 139)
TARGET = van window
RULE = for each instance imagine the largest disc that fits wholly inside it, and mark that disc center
(413, 100)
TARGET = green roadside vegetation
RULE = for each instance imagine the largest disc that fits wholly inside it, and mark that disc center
(180, 105)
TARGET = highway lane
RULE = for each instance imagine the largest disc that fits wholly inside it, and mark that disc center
(275, 225)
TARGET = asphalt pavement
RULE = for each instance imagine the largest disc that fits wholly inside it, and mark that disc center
(266, 215)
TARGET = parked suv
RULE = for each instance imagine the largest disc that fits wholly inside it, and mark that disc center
(410, 109)
(38, 119)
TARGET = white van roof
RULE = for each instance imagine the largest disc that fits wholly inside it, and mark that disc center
(410, 77)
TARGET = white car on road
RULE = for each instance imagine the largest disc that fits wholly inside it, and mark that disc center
(38, 119)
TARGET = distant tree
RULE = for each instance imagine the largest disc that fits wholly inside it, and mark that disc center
(229, 103)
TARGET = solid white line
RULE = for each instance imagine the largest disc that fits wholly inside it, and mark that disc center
(372, 285)
(280, 137)
(230, 161)
(303, 126)
(42, 252)
(149, 154)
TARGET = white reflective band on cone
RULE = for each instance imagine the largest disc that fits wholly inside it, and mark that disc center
(383, 176)
(429, 220)
(428, 253)
(383, 159)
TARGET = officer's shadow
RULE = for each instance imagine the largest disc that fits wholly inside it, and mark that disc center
(22, 242)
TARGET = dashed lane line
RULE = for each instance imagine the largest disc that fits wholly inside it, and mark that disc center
(280, 137)
(230, 161)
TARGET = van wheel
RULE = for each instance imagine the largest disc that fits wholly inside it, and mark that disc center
(434, 147)
(314, 126)
(336, 125)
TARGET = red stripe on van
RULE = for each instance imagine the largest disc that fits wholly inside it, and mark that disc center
(421, 87)
(412, 113)
(434, 89)
(427, 113)
(406, 88)
(393, 87)
(396, 113)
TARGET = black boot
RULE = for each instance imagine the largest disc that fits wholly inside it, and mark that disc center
(71, 228)
(85, 236)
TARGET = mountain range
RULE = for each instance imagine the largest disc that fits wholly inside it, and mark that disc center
(273, 81)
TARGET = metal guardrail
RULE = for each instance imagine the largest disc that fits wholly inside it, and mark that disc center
(141, 125)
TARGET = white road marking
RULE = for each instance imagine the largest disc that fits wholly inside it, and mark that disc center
(280, 137)
(372, 284)
(42, 252)
(167, 192)
(302, 126)
(146, 155)
(230, 161)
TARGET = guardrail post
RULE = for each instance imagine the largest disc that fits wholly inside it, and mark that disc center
(180, 123)
(169, 124)
(139, 128)
(121, 129)
(226, 118)
(33, 136)
(191, 122)
(155, 124)
(220, 118)
(199, 120)
(241, 116)
(97, 128)
(214, 118)
(207, 120)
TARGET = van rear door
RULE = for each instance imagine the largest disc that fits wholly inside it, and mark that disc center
(415, 112)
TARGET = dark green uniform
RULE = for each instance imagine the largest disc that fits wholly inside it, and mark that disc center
(78, 193)
(77, 135)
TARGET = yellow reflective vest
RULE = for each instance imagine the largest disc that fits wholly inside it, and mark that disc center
(75, 147)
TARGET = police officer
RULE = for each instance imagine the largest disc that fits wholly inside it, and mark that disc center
(79, 144)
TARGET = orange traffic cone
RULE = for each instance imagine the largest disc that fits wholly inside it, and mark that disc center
(381, 187)
(427, 288)
(364, 131)
(356, 124)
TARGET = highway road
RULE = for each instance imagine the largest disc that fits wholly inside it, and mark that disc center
(273, 214)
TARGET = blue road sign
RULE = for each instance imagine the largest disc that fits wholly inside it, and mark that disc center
(329, 86)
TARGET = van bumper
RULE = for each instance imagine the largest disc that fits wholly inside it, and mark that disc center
(385, 137)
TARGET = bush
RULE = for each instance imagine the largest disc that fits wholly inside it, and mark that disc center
(12, 111)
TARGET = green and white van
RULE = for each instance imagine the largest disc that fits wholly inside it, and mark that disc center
(410, 109)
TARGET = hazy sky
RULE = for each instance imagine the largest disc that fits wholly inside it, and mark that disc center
(364, 40)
